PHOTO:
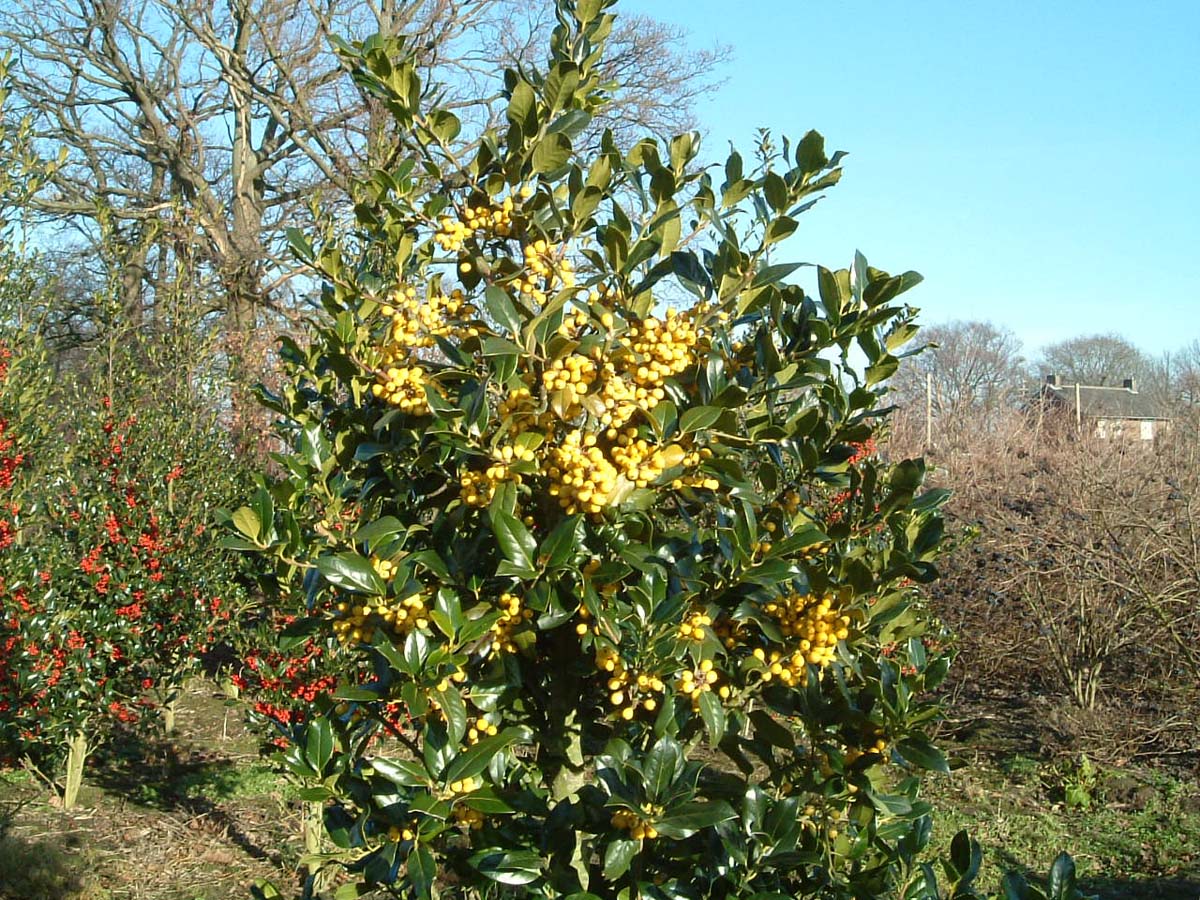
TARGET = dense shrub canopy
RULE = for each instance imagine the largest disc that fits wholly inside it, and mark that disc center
(112, 583)
(585, 487)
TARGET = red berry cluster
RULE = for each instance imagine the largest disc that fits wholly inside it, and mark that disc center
(285, 683)
(11, 459)
(838, 504)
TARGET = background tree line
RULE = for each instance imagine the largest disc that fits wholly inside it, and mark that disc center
(976, 367)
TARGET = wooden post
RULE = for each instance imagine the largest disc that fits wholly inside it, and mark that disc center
(1078, 411)
(928, 410)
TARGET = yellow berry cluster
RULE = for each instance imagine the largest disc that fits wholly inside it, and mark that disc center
(452, 233)
(590, 468)
(480, 729)
(468, 784)
(572, 375)
(760, 548)
(512, 617)
(464, 815)
(875, 742)
(789, 670)
(694, 480)
(403, 833)
(584, 477)
(620, 399)
(358, 623)
(700, 680)
(817, 820)
(631, 378)
(574, 322)
(627, 691)
(544, 271)
(518, 404)
(665, 347)
(581, 477)
(699, 482)
(731, 633)
(417, 321)
(458, 676)
(694, 627)
(586, 624)
(477, 488)
(639, 460)
(816, 550)
(402, 386)
(811, 627)
(384, 568)
(639, 829)
(816, 621)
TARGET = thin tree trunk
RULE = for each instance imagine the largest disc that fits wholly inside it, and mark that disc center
(77, 750)
(312, 825)
(168, 713)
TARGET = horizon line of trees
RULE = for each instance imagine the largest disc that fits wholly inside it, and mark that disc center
(978, 366)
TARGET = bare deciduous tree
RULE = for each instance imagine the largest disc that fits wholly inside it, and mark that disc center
(971, 371)
(1098, 359)
(657, 76)
(195, 132)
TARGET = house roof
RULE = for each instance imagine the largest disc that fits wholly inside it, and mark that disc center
(1099, 402)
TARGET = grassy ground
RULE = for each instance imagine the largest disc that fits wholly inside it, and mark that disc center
(200, 817)
(1134, 835)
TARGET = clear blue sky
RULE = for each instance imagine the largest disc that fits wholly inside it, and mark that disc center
(1037, 162)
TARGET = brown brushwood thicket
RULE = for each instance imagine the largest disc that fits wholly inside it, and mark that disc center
(1075, 586)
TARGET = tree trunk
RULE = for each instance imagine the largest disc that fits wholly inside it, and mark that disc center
(312, 825)
(77, 750)
(133, 285)
(168, 713)
(243, 267)
(561, 753)
(562, 746)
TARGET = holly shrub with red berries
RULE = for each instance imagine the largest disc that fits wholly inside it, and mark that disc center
(113, 586)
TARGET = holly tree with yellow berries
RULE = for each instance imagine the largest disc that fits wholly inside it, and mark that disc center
(590, 422)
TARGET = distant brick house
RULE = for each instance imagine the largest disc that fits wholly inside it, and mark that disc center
(1107, 412)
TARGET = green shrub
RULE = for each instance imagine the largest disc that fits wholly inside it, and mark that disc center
(114, 586)
(586, 487)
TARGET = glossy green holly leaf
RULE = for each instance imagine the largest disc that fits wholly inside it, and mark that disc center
(351, 572)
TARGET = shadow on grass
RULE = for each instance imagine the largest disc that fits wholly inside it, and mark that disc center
(1149, 889)
(40, 869)
(152, 772)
